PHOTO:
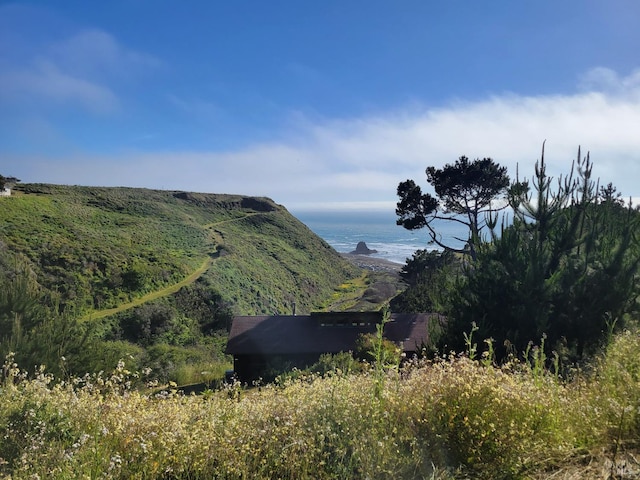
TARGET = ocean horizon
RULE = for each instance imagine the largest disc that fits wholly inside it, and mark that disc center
(344, 229)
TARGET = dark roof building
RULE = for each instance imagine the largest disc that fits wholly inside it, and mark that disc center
(299, 340)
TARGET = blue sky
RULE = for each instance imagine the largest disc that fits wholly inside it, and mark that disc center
(314, 104)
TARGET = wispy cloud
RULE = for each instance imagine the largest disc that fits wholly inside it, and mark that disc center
(361, 160)
(79, 70)
(195, 108)
(96, 53)
(607, 80)
(44, 80)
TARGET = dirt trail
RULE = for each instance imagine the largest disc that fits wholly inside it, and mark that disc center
(171, 289)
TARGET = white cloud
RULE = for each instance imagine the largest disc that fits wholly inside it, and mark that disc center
(361, 160)
(44, 80)
(80, 70)
(607, 80)
(94, 52)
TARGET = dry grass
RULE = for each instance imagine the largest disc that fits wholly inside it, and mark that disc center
(454, 418)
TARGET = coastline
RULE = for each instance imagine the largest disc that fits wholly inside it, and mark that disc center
(373, 263)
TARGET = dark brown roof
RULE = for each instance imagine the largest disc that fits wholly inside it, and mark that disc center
(300, 334)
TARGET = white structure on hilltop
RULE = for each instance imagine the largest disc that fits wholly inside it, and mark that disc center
(9, 182)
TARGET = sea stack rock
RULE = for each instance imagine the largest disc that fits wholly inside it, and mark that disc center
(362, 249)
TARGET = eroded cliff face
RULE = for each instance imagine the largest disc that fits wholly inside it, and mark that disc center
(258, 204)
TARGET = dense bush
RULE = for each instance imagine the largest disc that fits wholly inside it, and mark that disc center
(566, 270)
(372, 348)
(201, 302)
(428, 275)
(39, 335)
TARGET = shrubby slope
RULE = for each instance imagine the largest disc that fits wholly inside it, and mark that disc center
(98, 247)
(150, 275)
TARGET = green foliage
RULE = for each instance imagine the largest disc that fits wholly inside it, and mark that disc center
(167, 362)
(465, 192)
(423, 263)
(618, 377)
(566, 269)
(37, 335)
(147, 324)
(201, 302)
(196, 312)
(329, 364)
(371, 349)
(109, 353)
(276, 262)
(342, 363)
(480, 180)
(377, 350)
(428, 275)
(34, 422)
(95, 247)
(414, 207)
(182, 335)
(20, 304)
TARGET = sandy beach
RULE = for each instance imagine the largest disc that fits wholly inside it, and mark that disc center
(372, 263)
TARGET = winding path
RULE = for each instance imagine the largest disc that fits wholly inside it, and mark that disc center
(171, 289)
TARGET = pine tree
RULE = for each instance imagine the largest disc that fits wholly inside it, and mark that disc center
(565, 269)
(465, 194)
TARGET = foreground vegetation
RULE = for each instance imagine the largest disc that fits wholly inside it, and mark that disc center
(450, 418)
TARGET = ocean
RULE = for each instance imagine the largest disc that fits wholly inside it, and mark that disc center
(344, 229)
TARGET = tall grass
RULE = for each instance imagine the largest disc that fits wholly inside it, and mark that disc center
(452, 418)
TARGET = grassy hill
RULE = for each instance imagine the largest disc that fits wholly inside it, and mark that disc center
(100, 247)
(146, 268)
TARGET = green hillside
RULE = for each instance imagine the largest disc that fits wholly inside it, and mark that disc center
(100, 247)
(145, 268)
